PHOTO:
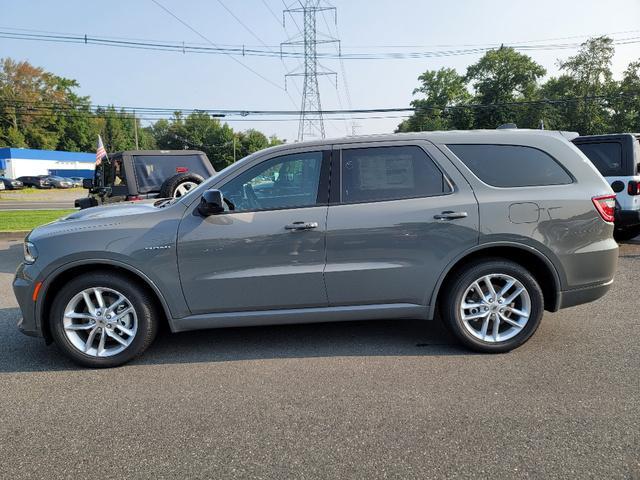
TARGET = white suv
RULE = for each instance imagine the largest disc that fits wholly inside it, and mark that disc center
(617, 158)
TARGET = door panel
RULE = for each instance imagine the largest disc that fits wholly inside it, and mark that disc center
(249, 261)
(269, 251)
(394, 251)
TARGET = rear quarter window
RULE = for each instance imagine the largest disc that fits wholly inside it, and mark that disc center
(605, 156)
(511, 165)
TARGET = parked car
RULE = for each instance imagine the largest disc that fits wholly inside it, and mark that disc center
(617, 158)
(58, 182)
(11, 183)
(142, 174)
(489, 228)
(2, 187)
(35, 181)
(77, 181)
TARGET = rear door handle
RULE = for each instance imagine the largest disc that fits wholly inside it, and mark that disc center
(301, 226)
(449, 215)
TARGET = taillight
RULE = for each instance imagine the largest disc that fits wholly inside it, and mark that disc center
(134, 198)
(606, 206)
(633, 188)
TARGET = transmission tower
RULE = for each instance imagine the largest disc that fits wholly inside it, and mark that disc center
(311, 122)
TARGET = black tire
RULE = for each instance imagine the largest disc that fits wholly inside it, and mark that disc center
(141, 301)
(626, 234)
(171, 184)
(452, 299)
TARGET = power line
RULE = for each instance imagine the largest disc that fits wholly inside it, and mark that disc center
(246, 51)
(273, 14)
(257, 38)
(311, 122)
(53, 107)
(492, 45)
(344, 75)
(255, 72)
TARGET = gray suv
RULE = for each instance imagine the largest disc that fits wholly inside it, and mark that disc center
(488, 228)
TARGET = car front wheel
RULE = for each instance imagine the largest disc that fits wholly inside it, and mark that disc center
(103, 320)
(493, 306)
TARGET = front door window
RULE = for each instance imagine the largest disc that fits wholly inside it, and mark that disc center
(288, 181)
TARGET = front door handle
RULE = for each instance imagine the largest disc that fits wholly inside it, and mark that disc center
(301, 226)
(449, 215)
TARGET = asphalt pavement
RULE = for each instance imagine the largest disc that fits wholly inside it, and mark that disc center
(386, 399)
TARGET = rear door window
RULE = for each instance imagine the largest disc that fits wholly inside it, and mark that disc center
(389, 173)
(605, 156)
(511, 165)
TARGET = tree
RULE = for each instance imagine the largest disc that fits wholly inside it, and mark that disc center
(441, 89)
(34, 105)
(626, 106)
(587, 75)
(41, 110)
(503, 76)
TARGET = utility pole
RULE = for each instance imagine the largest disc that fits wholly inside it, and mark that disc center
(135, 129)
(234, 148)
(311, 122)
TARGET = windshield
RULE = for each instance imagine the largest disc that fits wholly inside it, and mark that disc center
(152, 170)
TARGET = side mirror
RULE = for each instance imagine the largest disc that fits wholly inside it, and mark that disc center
(87, 183)
(211, 203)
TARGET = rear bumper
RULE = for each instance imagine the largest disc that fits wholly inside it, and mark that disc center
(578, 296)
(627, 218)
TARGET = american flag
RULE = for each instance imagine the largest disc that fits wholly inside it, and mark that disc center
(100, 152)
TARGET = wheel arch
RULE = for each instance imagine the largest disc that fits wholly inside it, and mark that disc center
(540, 266)
(63, 274)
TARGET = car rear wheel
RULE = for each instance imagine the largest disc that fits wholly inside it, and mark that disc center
(493, 306)
(103, 320)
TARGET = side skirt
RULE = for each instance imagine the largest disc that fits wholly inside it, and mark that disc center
(301, 315)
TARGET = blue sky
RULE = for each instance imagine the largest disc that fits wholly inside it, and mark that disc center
(149, 78)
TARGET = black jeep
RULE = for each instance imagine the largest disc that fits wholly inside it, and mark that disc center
(142, 174)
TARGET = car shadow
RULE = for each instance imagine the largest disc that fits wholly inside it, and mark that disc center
(19, 353)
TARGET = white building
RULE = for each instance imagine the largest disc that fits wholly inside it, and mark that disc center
(19, 162)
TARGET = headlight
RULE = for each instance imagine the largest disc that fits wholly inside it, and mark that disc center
(30, 252)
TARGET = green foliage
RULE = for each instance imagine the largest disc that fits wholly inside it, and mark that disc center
(502, 76)
(200, 131)
(441, 89)
(504, 86)
(41, 110)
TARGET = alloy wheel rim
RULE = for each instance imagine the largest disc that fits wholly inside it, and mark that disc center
(183, 188)
(100, 322)
(495, 308)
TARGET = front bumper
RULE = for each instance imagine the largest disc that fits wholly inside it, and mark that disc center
(23, 289)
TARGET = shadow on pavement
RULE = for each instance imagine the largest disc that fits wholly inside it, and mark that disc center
(19, 353)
